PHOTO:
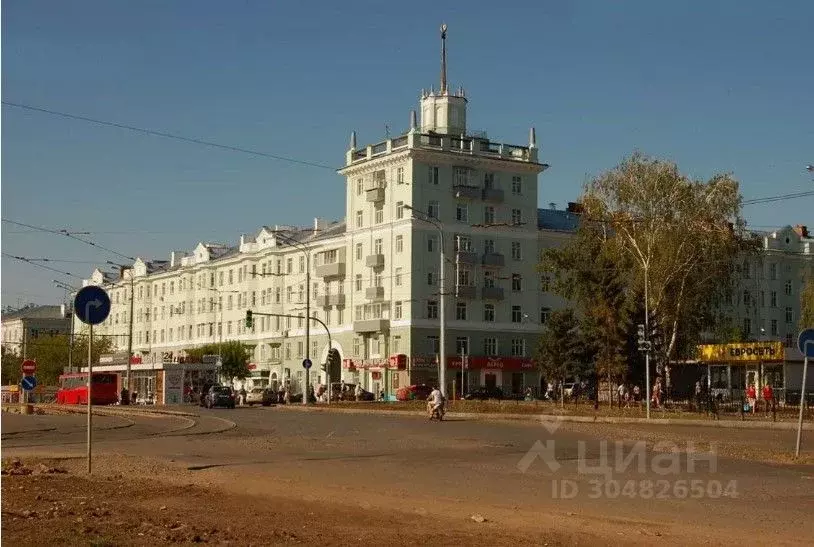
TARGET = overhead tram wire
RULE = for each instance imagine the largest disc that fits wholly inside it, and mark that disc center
(71, 235)
(36, 265)
(166, 135)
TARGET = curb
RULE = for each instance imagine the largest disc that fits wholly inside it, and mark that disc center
(722, 424)
(116, 409)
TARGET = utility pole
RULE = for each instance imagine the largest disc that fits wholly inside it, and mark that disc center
(129, 341)
(307, 325)
(648, 346)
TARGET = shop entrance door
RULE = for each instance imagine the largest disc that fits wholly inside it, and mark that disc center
(490, 380)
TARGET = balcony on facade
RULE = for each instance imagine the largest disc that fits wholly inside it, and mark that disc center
(375, 194)
(334, 269)
(467, 257)
(465, 191)
(329, 300)
(492, 293)
(466, 291)
(371, 325)
(374, 293)
(374, 261)
(493, 195)
(495, 260)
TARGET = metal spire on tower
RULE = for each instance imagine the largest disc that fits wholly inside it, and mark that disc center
(443, 59)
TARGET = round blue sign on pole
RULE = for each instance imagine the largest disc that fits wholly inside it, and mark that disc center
(806, 342)
(306, 363)
(28, 383)
(91, 305)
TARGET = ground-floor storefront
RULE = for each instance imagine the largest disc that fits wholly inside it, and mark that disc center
(163, 383)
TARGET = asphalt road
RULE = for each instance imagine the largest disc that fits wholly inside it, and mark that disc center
(518, 473)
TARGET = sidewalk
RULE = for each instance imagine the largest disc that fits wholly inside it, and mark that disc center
(536, 417)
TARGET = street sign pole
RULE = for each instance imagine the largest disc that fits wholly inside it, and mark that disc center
(806, 345)
(91, 306)
(90, 408)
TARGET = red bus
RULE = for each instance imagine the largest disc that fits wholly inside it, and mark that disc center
(73, 389)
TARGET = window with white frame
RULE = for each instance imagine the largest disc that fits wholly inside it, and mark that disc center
(432, 309)
(789, 315)
(460, 176)
(379, 215)
(358, 282)
(432, 209)
(517, 253)
(399, 244)
(517, 314)
(747, 326)
(517, 185)
(398, 276)
(399, 209)
(462, 345)
(517, 216)
(377, 279)
(774, 299)
(461, 212)
(465, 277)
(397, 310)
(431, 278)
(433, 345)
(545, 314)
(773, 272)
(490, 346)
(488, 215)
(431, 244)
(433, 175)
(518, 347)
(377, 246)
(463, 244)
(358, 251)
(517, 282)
(360, 219)
(489, 313)
(545, 282)
(460, 311)
(360, 187)
(774, 327)
(788, 287)
(400, 175)
(489, 279)
(489, 246)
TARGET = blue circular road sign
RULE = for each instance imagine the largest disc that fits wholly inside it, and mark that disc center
(91, 305)
(28, 383)
(806, 342)
(306, 363)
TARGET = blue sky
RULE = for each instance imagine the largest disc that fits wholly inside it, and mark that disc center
(723, 86)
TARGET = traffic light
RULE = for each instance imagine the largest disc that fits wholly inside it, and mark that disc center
(644, 344)
(249, 319)
(334, 359)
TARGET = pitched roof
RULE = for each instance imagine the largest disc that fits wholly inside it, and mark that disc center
(554, 219)
(35, 312)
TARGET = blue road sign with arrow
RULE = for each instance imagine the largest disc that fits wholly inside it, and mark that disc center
(806, 342)
(28, 383)
(91, 305)
(306, 363)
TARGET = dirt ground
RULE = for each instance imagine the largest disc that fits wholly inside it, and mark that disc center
(52, 507)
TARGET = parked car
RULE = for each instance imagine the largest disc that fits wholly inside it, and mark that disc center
(349, 394)
(297, 398)
(260, 396)
(415, 392)
(222, 396)
(483, 393)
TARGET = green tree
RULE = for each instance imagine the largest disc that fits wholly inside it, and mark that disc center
(51, 355)
(234, 356)
(560, 352)
(681, 235)
(807, 301)
(596, 281)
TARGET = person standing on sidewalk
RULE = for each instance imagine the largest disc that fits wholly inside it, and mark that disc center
(768, 396)
(751, 397)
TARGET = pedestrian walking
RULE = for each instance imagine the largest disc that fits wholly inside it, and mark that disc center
(751, 397)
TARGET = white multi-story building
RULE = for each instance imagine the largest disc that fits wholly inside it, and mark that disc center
(374, 278)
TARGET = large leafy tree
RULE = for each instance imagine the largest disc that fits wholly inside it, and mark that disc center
(676, 238)
(560, 353)
(234, 357)
(596, 281)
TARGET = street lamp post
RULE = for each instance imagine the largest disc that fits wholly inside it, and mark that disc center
(441, 286)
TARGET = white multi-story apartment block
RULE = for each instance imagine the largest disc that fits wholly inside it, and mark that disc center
(374, 278)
